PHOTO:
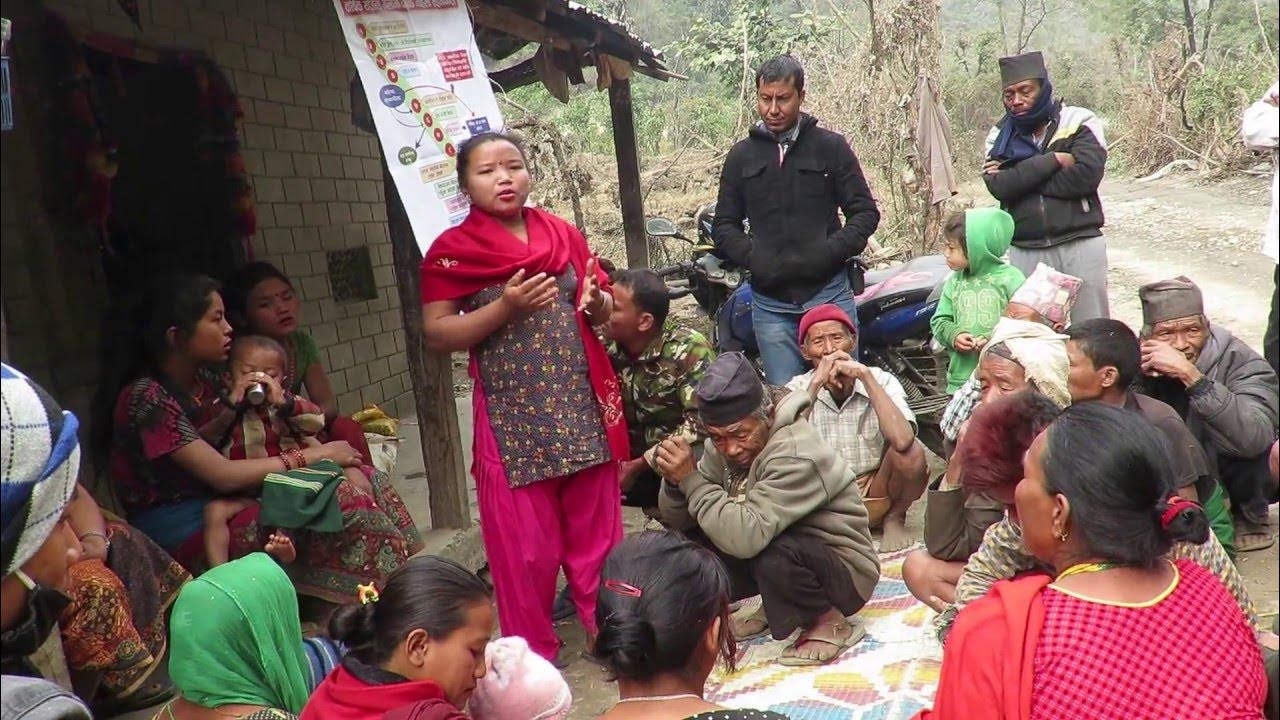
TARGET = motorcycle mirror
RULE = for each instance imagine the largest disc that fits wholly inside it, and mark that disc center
(661, 227)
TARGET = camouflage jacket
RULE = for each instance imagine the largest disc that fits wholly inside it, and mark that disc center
(657, 387)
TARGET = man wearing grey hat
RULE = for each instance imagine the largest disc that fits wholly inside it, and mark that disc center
(1227, 393)
(779, 506)
(1044, 163)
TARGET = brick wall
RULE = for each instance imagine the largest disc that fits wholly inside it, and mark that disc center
(317, 180)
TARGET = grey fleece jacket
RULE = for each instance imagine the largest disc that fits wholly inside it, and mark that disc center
(1235, 407)
(798, 482)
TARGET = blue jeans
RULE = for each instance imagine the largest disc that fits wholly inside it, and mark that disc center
(777, 326)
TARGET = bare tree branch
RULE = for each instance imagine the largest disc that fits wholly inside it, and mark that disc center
(1044, 13)
(844, 20)
(1189, 21)
(1004, 36)
(871, 22)
(1022, 22)
(1208, 29)
(742, 89)
(1266, 43)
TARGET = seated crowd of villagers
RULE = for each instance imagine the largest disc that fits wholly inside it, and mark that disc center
(1100, 483)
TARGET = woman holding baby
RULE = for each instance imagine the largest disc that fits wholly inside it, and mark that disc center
(160, 391)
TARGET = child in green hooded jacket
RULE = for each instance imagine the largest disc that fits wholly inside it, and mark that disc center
(975, 295)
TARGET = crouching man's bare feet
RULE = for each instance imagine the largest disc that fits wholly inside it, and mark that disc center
(896, 535)
(281, 547)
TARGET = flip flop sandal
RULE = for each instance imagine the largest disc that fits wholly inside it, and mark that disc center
(758, 617)
(1268, 540)
(858, 631)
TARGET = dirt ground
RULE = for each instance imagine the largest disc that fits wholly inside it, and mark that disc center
(1175, 226)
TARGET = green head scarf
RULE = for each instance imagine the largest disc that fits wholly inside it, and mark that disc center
(235, 638)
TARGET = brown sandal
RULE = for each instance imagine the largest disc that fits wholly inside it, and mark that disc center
(736, 625)
(856, 632)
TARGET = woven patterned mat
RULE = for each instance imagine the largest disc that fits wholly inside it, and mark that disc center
(889, 675)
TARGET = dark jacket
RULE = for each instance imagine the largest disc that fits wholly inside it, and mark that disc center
(1190, 465)
(797, 243)
(1051, 204)
(1233, 409)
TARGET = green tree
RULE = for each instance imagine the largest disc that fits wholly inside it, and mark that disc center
(731, 46)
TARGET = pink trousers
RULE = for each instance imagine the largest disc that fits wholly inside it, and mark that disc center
(531, 532)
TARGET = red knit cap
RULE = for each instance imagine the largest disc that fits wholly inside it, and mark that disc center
(825, 312)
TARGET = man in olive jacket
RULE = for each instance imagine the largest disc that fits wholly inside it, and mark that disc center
(779, 506)
(788, 178)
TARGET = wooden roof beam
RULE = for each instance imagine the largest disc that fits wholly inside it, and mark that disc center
(513, 23)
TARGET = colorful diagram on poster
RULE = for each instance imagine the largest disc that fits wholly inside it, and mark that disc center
(428, 92)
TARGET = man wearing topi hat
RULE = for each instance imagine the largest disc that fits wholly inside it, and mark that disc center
(1044, 163)
(1226, 392)
(779, 506)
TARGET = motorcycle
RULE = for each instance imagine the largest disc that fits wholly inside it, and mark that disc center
(895, 306)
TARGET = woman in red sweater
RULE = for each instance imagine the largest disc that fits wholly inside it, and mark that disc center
(1097, 505)
(415, 649)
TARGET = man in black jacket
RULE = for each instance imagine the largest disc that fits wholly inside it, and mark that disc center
(1045, 161)
(788, 178)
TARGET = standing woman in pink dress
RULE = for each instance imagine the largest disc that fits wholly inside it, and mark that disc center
(518, 288)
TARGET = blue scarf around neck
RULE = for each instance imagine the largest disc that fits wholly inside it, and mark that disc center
(1016, 140)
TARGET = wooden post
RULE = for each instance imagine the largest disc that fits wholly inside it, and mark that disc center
(432, 376)
(4, 335)
(624, 147)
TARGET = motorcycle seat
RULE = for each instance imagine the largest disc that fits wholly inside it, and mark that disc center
(909, 283)
(875, 277)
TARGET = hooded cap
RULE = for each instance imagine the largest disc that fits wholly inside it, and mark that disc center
(1169, 300)
(987, 234)
(519, 683)
(730, 391)
(40, 454)
(823, 313)
(1027, 66)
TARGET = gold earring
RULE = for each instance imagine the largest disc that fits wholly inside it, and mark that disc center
(1062, 536)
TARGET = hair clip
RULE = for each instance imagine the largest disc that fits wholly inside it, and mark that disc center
(367, 593)
(622, 588)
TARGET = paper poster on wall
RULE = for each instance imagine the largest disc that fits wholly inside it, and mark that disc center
(428, 92)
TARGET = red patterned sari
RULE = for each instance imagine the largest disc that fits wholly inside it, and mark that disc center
(167, 503)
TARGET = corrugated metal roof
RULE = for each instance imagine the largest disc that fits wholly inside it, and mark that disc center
(643, 48)
(574, 22)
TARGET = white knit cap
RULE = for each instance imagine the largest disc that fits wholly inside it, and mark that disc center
(519, 685)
